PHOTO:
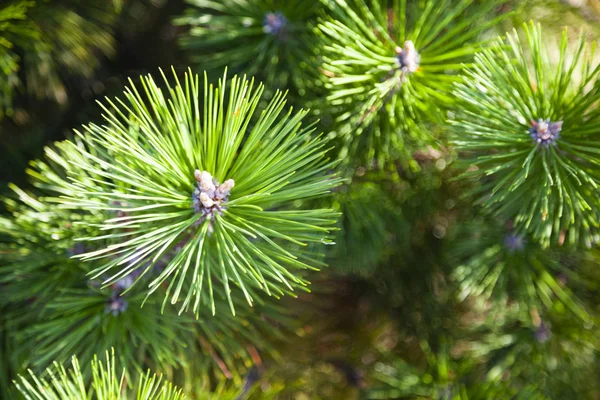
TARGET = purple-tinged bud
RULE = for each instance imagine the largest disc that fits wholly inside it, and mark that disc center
(543, 333)
(116, 305)
(514, 242)
(209, 197)
(408, 58)
(206, 201)
(275, 23)
(544, 132)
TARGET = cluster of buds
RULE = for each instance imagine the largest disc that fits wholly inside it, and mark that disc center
(275, 23)
(543, 333)
(408, 58)
(209, 197)
(115, 304)
(514, 242)
(545, 132)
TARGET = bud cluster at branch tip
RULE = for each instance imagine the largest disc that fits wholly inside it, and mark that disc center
(275, 23)
(545, 132)
(408, 58)
(116, 304)
(210, 197)
(514, 242)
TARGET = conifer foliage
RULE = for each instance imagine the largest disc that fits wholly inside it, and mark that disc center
(269, 39)
(433, 236)
(39, 43)
(528, 122)
(391, 65)
(189, 188)
(107, 384)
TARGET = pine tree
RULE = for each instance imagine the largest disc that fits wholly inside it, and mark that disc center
(433, 236)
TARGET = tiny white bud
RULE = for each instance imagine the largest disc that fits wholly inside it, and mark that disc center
(197, 175)
(206, 182)
(410, 57)
(227, 186)
(224, 189)
(409, 46)
(206, 200)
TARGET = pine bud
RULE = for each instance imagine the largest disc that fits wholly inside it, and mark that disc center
(543, 333)
(224, 189)
(206, 183)
(545, 132)
(408, 58)
(116, 305)
(514, 242)
(206, 200)
(275, 23)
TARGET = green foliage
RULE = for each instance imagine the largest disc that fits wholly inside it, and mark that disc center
(108, 384)
(497, 357)
(544, 177)
(391, 67)
(54, 312)
(549, 355)
(41, 44)
(269, 39)
(403, 380)
(16, 30)
(152, 153)
(496, 263)
(188, 201)
(367, 227)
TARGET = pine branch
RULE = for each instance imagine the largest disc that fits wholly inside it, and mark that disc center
(216, 200)
(527, 128)
(391, 66)
(549, 355)
(56, 312)
(497, 264)
(269, 39)
(108, 384)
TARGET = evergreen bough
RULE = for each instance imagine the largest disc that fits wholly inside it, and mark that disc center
(268, 39)
(191, 193)
(391, 66)
(496, 264)
(57, 311)
(201, 186)
(107, 384)
(528, 128)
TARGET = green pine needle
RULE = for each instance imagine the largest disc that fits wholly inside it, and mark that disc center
(528, 127)
(391, 66)
(157, 150)
(270, 39)
(107, 384)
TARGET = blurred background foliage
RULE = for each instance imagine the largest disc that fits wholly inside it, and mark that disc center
(426, 297)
